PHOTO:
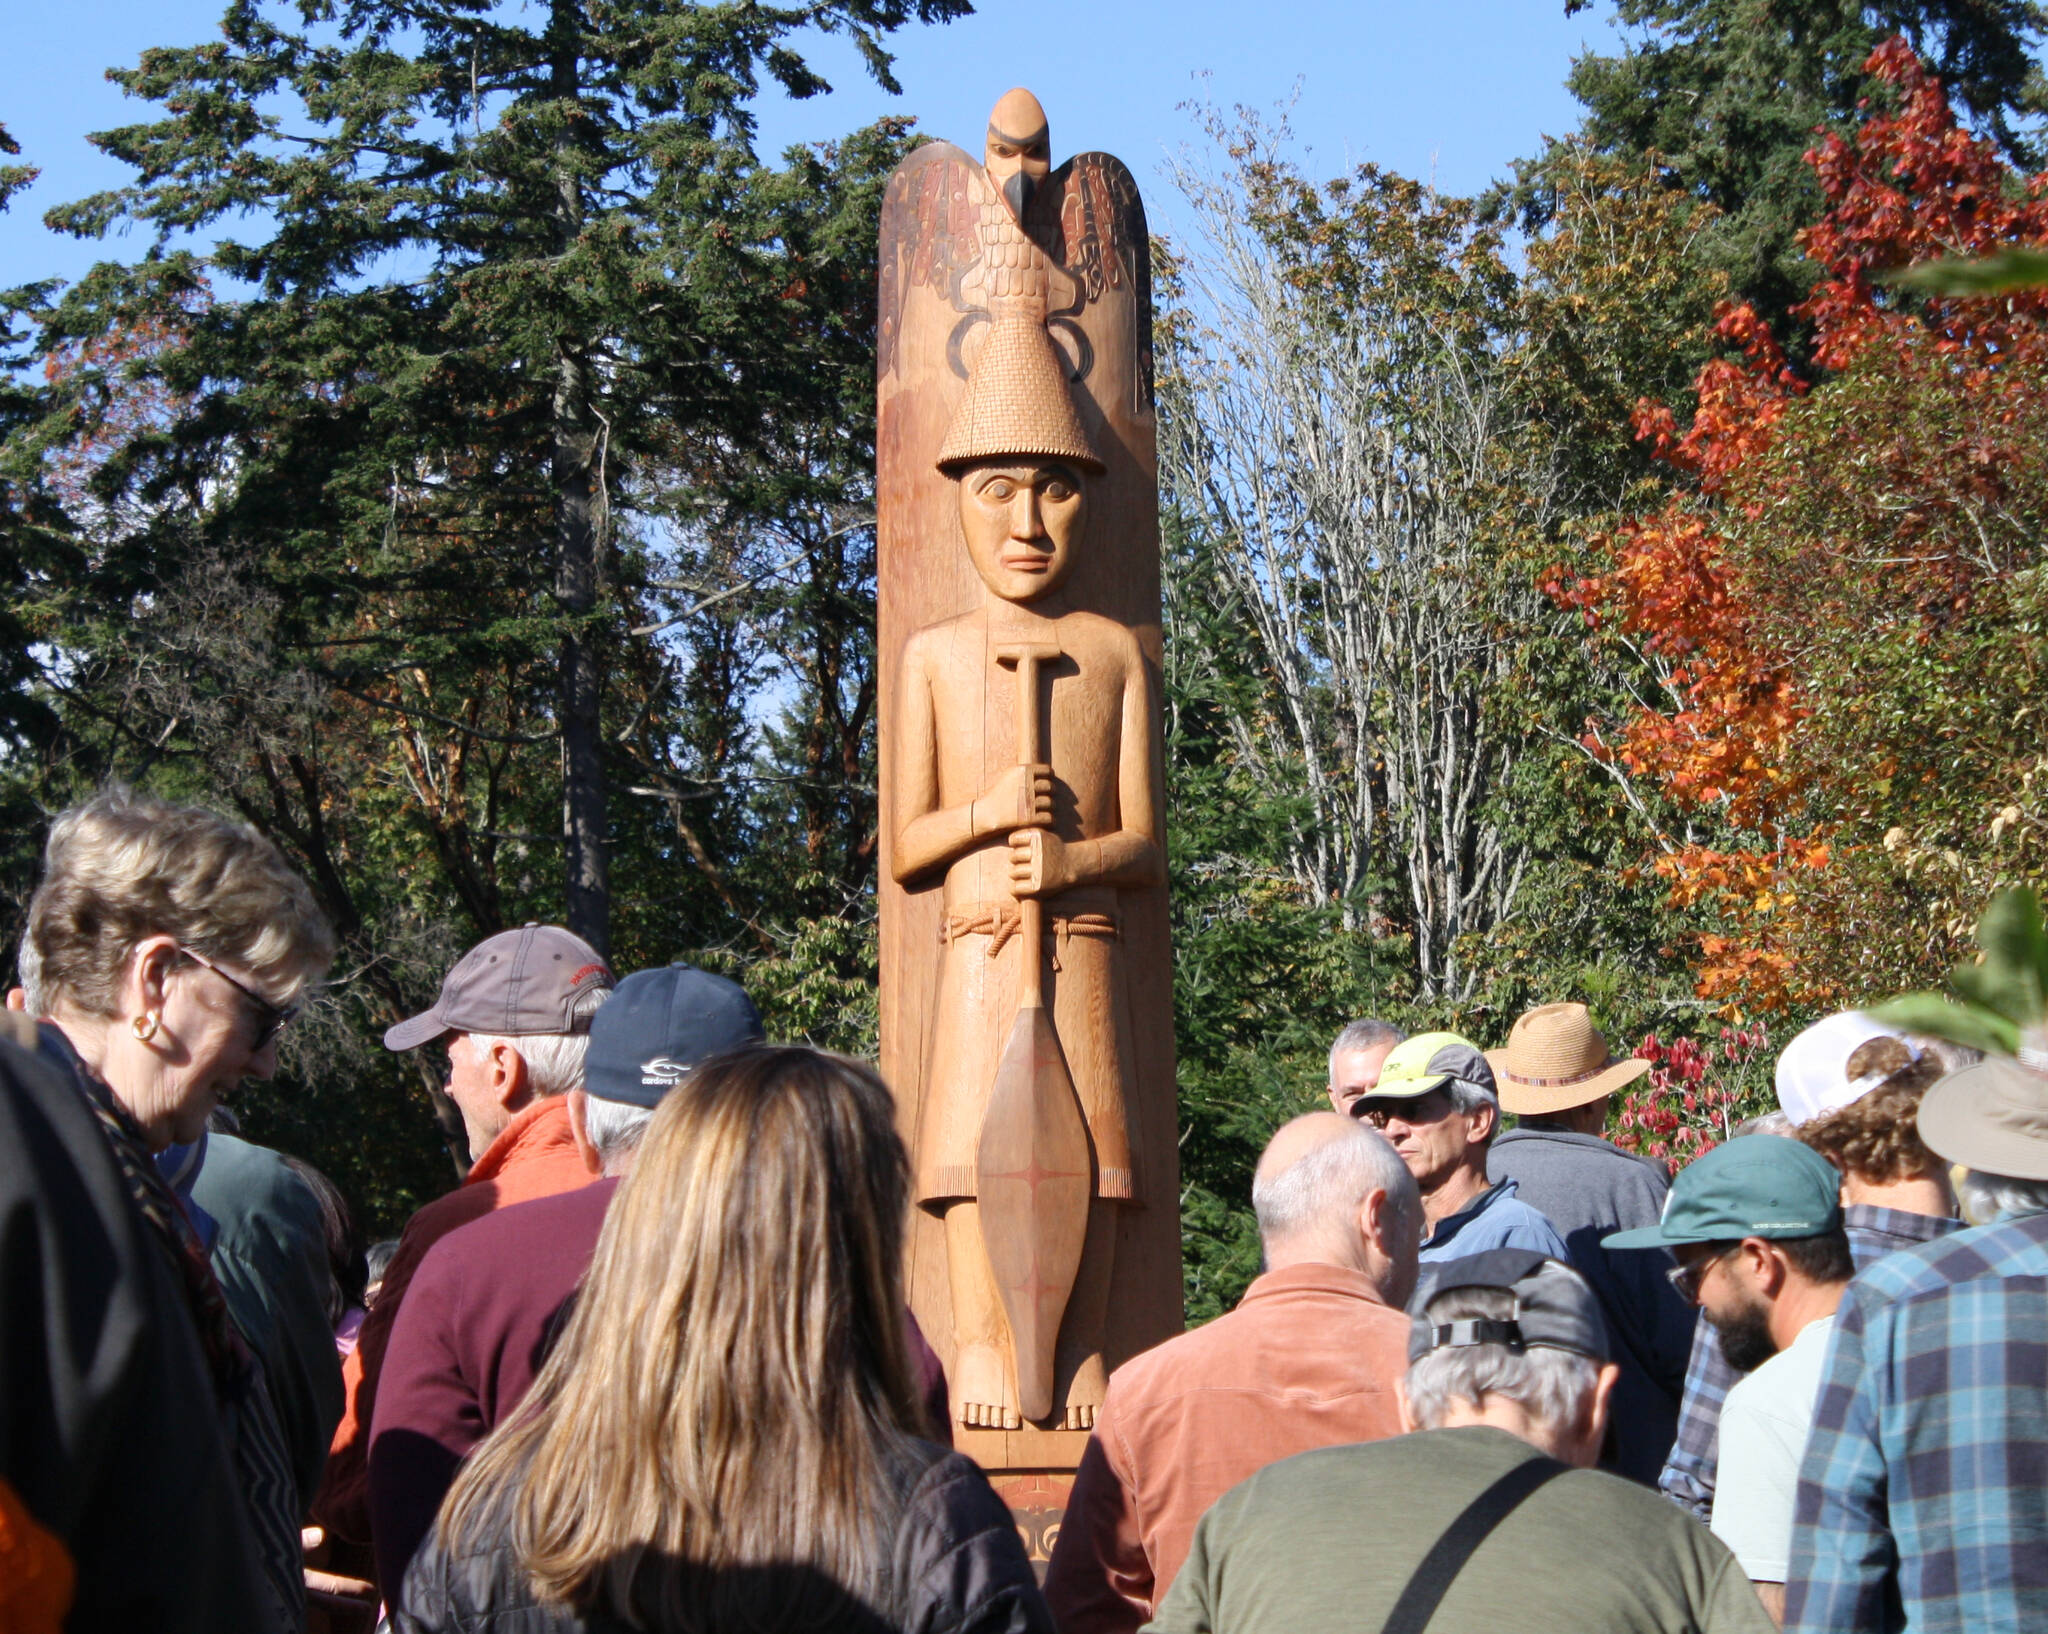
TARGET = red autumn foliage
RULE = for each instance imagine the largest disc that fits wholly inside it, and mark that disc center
(1693, 1095)
(1809, 516)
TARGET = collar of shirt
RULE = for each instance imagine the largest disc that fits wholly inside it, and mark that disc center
(1313, 1278)
(1894, 1227)
(538, 1130)
(1451, 1224)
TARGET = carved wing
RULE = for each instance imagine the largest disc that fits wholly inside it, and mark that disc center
(1089, 218)
(930, 215)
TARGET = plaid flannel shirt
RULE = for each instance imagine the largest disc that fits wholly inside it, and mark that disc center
(1923, 1497)
(1688, 1478)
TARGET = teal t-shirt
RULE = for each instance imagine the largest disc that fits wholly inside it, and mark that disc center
(1323, 1543)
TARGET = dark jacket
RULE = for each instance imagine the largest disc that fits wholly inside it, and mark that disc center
(108, 1429)
(957, 1567)
(270, 1254)
(492, 1296)
(1590, 1187)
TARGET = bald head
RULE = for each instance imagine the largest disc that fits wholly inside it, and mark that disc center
(1298, 1137)
(1330, 1190)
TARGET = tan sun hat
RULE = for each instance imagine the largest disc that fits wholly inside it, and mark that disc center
(1554, 1060)
(1992, 1117)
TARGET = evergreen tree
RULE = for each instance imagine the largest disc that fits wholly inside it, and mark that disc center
(1725, 97)
(510, 262)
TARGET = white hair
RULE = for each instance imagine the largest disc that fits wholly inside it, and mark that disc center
(614, 1127)
(1368, 1034)
(1321, 1191)
(554, 1061)
(29, 963)
(1467, 1096)
(1986, 1198)
(1552, 1386)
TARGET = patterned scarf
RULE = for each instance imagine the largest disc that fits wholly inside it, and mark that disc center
(227, 1354)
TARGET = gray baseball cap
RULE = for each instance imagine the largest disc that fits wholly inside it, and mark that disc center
(1555, 1308)
(520, 981)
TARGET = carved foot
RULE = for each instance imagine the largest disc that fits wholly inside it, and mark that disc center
(981, 1389)
(1084, 1395)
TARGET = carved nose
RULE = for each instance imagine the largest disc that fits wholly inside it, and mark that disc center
(1026, 522)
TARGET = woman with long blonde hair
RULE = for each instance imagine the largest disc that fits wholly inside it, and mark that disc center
(726, 1437)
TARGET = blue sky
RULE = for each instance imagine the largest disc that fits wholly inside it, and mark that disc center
(1450, 91)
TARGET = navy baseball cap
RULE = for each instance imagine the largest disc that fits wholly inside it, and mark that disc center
(1555, 1307)
(657, 1025)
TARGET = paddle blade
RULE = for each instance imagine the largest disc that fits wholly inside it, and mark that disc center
(1035, 1183)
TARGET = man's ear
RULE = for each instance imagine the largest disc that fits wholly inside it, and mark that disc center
(1408, 1424)
(510, 1081)
(1482, 1125)
(1375, 1220)
(1595, 1427)
(579, 1131)
(1767, 1266)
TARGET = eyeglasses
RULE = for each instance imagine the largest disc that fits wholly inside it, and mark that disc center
(270, 1019)
(1687, 1278)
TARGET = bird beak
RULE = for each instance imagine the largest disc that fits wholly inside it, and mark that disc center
(1017, 188)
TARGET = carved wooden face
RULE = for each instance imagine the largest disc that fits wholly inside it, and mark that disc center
(1023, 521)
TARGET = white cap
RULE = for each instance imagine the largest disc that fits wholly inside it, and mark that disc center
(1813, 1070)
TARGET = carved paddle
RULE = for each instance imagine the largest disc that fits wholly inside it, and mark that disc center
(1034, 1170)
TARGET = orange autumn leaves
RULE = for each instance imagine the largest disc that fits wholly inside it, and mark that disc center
(1836, 545)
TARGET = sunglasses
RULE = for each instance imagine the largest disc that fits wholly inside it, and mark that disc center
(269, 1018)
(1432, 1106)
(1687, 1278)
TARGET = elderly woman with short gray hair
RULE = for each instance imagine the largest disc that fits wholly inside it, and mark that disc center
(166, 948)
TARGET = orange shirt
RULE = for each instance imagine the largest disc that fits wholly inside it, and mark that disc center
(37, 1579)
(1308, 1359)
(535, 1156)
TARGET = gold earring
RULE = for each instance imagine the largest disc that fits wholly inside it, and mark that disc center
(144, 1026)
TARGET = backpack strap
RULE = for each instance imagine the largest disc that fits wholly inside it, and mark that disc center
(1474, 1524)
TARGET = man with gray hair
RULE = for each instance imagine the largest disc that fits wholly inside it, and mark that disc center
(1356, 1056)
(1436, 1103)
(1923, 1494)
(465, 1349)
(514, 1018)
(1493, 1518)
(1310, 1357)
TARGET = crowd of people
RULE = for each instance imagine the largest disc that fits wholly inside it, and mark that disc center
(651, 1365)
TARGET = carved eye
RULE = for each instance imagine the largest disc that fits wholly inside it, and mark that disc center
(998, 488)
(1059, 489)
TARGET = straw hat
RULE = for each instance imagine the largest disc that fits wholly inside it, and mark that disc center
(1555, 1060)
(1017, 404)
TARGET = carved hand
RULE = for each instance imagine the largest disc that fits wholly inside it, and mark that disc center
(1040, 864)
(1020, 798)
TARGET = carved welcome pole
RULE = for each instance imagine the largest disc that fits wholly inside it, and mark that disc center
(1027, 1007)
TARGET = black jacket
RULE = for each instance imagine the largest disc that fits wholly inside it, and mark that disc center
(108, 1429)
(958, 1567)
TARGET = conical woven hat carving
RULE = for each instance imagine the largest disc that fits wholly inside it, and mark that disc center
(1017, 404)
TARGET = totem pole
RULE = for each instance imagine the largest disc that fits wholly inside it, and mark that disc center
(1027, 1022)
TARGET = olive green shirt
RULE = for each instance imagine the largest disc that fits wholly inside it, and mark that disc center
(1324, 1543)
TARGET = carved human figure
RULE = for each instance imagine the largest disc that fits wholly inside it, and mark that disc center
(1071, 829)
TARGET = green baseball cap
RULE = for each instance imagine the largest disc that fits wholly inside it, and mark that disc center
(1420, 1064)
(1755, 1186)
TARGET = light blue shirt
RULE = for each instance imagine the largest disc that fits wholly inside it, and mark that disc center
(1496, 1218)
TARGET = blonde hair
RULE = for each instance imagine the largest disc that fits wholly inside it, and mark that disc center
(734, 1387)
(122, 868)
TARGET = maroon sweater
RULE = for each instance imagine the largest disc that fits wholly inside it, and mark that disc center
(478, 1321)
